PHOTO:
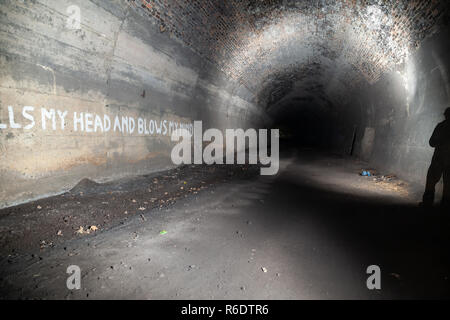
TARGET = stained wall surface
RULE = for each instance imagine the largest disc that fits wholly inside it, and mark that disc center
(99, 101)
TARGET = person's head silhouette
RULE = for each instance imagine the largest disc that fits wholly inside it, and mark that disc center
(447, 113)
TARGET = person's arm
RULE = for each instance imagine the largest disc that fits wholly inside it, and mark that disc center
(436, 137)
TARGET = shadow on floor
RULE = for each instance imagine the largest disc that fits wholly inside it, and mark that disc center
(410, 244)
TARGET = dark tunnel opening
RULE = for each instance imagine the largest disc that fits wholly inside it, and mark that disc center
(304, 124)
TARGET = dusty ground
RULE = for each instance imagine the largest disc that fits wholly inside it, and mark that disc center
(90, 207)
(309, 232)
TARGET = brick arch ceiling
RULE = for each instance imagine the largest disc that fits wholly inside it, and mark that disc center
(319, 46)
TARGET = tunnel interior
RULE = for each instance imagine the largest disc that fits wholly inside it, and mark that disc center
(316, 69)
(341, 75)
(92, 90)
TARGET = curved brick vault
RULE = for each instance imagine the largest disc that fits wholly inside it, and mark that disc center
(320, 48)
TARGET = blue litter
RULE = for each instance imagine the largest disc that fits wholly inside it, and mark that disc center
(366, 173)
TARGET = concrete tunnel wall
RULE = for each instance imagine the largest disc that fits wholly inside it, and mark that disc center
(118, 63)
(395, 117)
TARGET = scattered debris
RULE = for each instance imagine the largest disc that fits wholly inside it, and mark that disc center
(81, 230)
(110, 203)
(388, 177)
(395, 275)
(45, 244)
(191, 267)
(368, 172)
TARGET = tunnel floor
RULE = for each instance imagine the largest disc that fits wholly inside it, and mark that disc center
(308, 233)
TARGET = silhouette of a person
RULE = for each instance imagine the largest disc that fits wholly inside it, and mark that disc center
(440, 164)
